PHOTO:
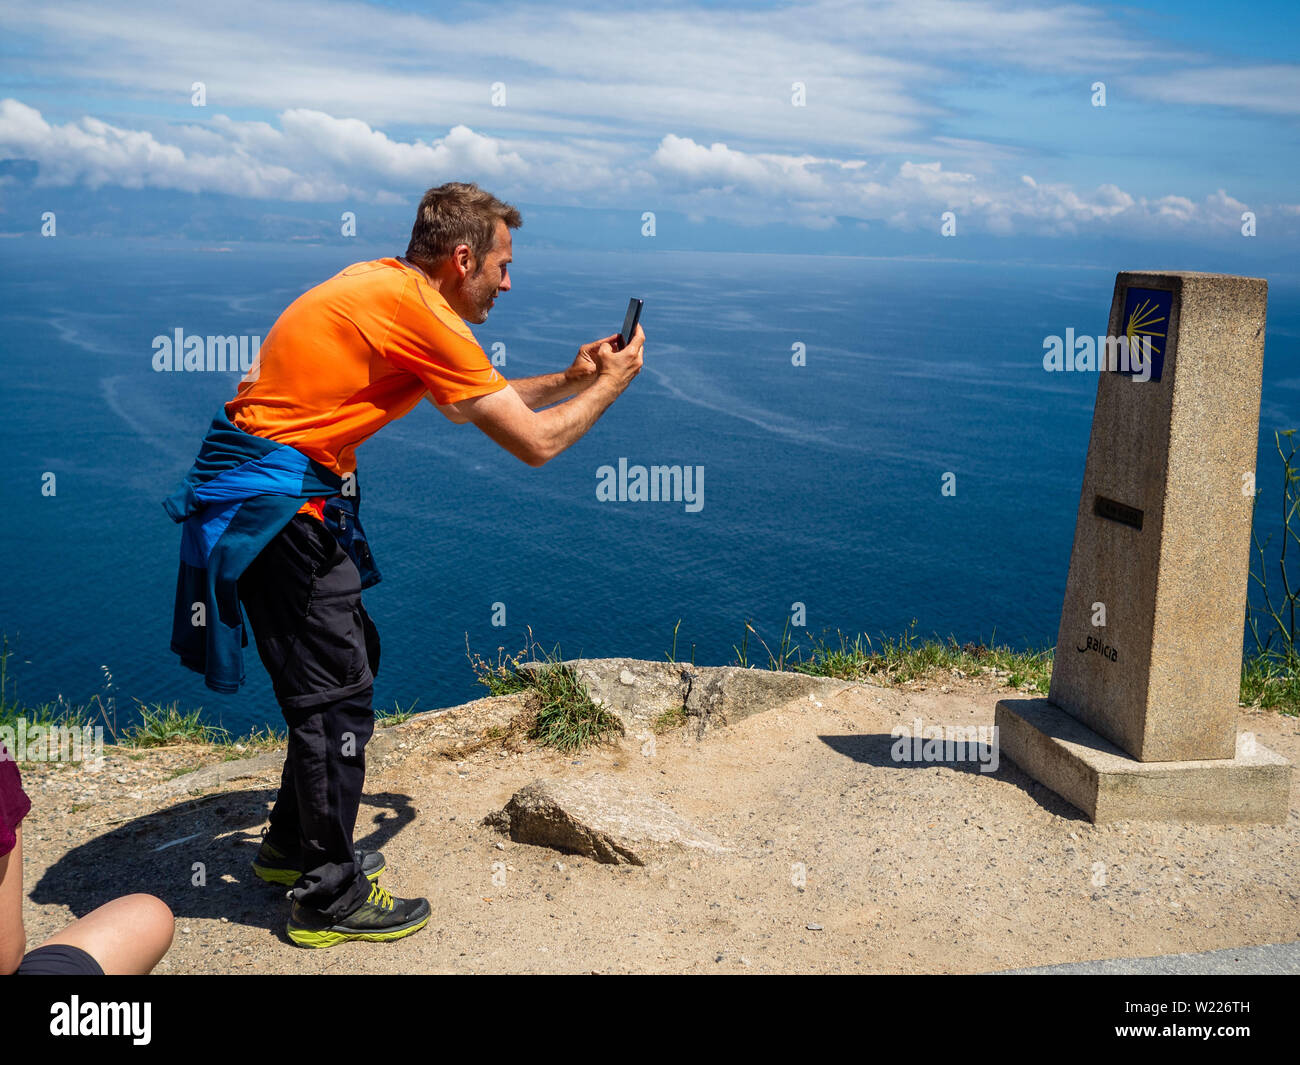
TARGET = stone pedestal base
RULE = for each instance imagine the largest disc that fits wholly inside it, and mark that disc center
(1107, 785)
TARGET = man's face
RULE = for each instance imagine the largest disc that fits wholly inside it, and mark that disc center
(478, 290)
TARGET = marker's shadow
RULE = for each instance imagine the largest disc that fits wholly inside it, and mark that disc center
(878, 749)
(197, 857)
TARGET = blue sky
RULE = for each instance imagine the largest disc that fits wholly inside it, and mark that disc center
(979, 107)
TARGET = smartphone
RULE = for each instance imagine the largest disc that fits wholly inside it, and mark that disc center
(630, 321)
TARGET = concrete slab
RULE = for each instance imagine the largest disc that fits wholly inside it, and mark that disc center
(1091, 773)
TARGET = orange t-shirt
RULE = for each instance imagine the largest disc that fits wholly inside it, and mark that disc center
(353, 354)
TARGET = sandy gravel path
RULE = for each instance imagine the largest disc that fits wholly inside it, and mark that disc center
(841, 860)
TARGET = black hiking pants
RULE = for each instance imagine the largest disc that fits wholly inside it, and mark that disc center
(302, 595)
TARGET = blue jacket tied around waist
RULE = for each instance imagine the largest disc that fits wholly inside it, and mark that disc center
(240, 492)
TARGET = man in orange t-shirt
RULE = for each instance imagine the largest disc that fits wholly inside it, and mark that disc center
(345, 359)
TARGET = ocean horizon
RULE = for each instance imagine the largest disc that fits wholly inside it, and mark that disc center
(820, 406)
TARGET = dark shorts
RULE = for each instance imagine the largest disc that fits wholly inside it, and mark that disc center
(302, 595)
(58, 959)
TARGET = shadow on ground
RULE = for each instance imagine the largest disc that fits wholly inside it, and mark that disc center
(196, 857)
(878, 749)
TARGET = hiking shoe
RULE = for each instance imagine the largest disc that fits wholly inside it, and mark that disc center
(279, 867)
(377, 920)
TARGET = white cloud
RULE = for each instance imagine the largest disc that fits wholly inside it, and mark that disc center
(933, 175)
(94, 153)
(679, 105)
(1266, 89)
(718, 165)
(312, 156)
(873, 69)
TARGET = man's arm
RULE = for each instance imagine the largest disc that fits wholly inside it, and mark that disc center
(545, 389)
(536, 437)
(548, 388)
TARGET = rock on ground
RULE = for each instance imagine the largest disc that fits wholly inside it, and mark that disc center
(638, 693)
(596, 818)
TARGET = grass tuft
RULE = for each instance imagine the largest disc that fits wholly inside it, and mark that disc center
(167, 726)
(1271, 682)
(566, 718)
(502, 677)
(904, 658)
(395, 716)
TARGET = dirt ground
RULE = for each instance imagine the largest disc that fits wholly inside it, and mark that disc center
(840, 860)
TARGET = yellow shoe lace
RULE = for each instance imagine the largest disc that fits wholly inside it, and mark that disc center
(380, 897)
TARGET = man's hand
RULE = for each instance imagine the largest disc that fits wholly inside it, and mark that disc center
(584, 369)
(619, 366)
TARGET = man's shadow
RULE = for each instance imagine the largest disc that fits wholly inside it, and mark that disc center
(197, 857)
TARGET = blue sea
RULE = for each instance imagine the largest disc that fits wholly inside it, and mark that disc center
(822, 483)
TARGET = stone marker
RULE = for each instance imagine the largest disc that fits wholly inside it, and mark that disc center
(1148, 656)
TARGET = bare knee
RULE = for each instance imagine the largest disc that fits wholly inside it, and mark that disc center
(150, 916)
(127, 935)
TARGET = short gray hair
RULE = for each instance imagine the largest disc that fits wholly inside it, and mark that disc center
(457, 213)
